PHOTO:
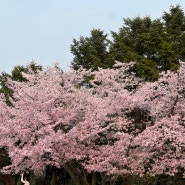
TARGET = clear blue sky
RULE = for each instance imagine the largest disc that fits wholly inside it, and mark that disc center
(43, 30)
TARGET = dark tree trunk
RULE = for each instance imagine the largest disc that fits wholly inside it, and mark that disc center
(79, 177)
(8, 179)
(94, 178)
(128, 180)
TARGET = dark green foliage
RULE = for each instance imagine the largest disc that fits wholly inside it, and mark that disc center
(4, 89)
(17, 71)
(38, 180)
(155, 45)
(91, 52)
(16, 75)
(138, 40)
(173, 46)
(19, 181)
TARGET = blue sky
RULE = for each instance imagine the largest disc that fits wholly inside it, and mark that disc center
(43, 30)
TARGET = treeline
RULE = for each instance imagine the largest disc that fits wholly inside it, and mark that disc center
(155, 45)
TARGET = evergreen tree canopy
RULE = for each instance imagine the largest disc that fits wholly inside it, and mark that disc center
(138, 41)
(155, 45)
(173, 45)
(91, 52)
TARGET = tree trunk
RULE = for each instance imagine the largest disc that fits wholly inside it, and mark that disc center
(128, 180)
(8, 179)
(48, 175)
(78, 177)
(72, 174)
(94, 178)
(103, 179)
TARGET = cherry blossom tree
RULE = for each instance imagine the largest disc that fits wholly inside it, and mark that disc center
(106, 121)
(56, 119)
(156, 130)
(152, 138)
(164, 141)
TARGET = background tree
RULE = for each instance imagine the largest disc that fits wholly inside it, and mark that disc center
(138, 40)
(91, 52)
(16, 74)
(155, 45)
(173, 45)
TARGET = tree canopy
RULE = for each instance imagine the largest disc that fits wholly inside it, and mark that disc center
(91, 52)
(106, 128)
(155, 45)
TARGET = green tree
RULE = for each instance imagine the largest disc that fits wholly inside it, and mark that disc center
(91, 52)
(16, 75)
(173, 45)
(138, 40)
(155, 45)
